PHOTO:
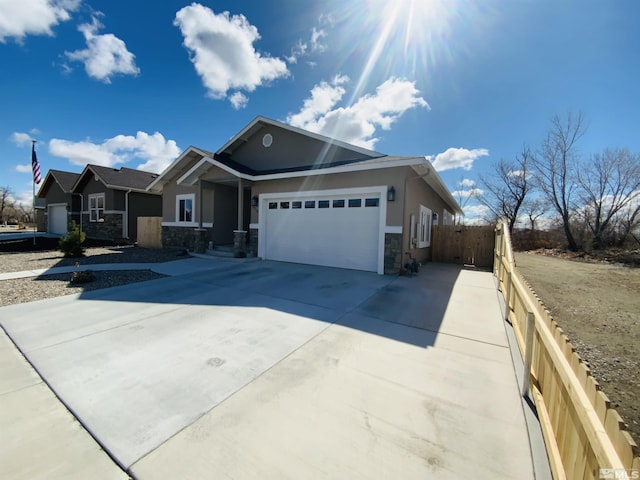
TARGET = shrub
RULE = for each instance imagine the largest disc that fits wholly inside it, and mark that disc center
(71, 243)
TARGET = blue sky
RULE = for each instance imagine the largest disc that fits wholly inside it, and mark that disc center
(465, 82)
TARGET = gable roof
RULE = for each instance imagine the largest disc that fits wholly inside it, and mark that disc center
(224, 153)
(257, 123)
(178, 166)
(194, 161)
(118, 178)
(65, 180)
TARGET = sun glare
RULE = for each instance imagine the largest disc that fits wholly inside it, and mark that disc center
(404, 38)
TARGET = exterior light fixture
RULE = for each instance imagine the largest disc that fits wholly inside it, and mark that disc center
(391, 194)
(254, 201)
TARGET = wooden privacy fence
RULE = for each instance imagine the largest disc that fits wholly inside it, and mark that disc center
(150, 232)
(582, 433)
(461, 244)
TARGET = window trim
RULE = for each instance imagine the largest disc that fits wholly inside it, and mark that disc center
(96, 209)
(425, 221)
(186, 196)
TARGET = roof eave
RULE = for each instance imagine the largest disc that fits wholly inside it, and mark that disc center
(159, 182)
(431, 177)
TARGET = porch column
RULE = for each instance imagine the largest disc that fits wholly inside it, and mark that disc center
(200, 233)
(240, 204)
(200, 208)
(240, 235)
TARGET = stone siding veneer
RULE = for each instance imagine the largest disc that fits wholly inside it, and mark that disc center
(392, 253)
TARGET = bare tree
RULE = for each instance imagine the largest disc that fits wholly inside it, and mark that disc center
(507, 187)
(609, 182)
(6, 202)
(556, 167)
(534, 208)
(463, 195)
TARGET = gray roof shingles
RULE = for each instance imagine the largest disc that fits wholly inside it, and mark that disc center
(66, 179)
(124, 177)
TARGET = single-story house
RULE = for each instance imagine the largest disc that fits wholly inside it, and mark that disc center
(61, 204)
(106, 202)
(112, 199)
(283, 193)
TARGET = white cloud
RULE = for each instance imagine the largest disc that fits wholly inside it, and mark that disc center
(21, 139)
(315, 43)
(476, 214)
(154, 151)
(33, 17)
(324, 96)
(458, 158)
(106, 55)
(467, 182)
(473, 192)
(23, 168)
(357, 123)
(222, 51)
(238, 100)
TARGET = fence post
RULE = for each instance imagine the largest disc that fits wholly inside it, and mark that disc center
(528, 354)
(508, 298)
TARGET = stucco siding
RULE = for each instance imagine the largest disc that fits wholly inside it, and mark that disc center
(57, 195)
(388, 177)
(142, 205)
(287, 149)
(169, 200)
(418, 193)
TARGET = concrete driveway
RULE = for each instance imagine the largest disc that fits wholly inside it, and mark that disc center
(275, 370)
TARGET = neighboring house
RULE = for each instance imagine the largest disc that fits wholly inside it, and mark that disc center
(106, 202)
(283, 193)
(112, 199)
(61, 204)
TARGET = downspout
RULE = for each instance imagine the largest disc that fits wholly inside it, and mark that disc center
(126, 214)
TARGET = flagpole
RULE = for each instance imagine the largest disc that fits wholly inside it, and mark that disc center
(33, 198)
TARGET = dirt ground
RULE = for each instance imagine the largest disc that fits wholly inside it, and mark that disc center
(598, 307)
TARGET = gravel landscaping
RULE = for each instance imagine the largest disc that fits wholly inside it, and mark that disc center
(49, 286)
(597, 306)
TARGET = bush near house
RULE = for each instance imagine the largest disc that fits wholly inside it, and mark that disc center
(71, 243)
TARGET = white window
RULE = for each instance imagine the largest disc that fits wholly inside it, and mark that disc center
(185, 212)
(96, 207)
(424, 227)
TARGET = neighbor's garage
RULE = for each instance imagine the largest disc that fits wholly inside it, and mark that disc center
(58, 219)
(341, 230)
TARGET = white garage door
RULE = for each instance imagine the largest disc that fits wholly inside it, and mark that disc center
(332, 230)
(58, 219)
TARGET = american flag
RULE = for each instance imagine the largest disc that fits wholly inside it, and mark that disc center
(35, 165)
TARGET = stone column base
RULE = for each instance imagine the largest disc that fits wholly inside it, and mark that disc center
(239, 243)
(200, 240)
(253, 242)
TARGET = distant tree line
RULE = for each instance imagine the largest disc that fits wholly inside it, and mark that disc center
(12, 211)
(593, 199)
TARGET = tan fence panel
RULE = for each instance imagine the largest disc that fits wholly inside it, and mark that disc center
(463, 245)
(583, 434)
(150, 232)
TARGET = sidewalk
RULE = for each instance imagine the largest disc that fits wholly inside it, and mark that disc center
(40, 438)
(196, 263)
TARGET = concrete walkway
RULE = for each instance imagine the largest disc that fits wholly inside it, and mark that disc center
(176, 267)
(40, 438)
(272, 370)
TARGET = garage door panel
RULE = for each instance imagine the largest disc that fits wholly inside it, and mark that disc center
(338, 237)
(58, 219)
